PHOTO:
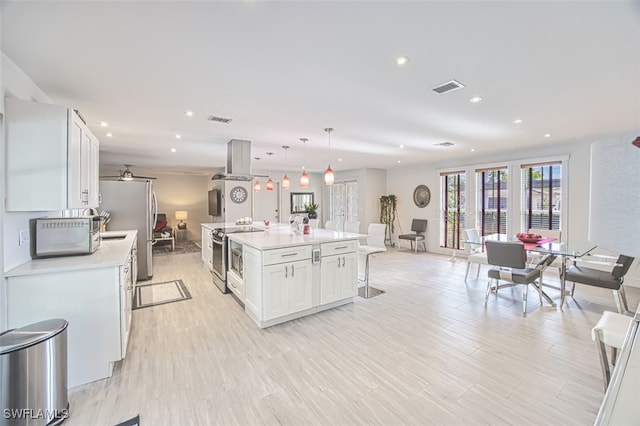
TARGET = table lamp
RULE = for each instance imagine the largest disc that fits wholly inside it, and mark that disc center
(182, 215)
(614, 210)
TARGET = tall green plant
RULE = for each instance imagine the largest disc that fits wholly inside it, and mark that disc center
(388, 212)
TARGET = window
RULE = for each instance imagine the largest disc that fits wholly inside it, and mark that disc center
(542, 196)
(453, 208)
(492, 200)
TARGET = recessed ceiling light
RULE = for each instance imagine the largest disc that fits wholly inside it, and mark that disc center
(173, 150)
(401, 146)
(104, 123)
(518, 121)
(547, 135)
(178, 136)
(398, 161)
(475, 99)
(189, 113)
(339, 159)
(402, 60)
(473, 150)
(109, 135)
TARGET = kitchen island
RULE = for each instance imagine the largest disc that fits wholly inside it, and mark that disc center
(93, 292)
(282, 276)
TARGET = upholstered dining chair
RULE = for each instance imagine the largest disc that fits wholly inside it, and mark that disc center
(474, 251)
(375, 244)
(330, 225)
(612, 280)
(419, 227)
(352, 226)
(314, 223)
(509, 264)
(611, 331)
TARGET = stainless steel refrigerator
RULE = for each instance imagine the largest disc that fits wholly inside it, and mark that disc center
(132, 205)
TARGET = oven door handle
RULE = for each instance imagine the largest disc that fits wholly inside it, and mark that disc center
(217, 242)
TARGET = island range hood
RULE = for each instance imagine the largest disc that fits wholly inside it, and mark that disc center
(238, 162)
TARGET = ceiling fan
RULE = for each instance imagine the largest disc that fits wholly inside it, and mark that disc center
(126, 175)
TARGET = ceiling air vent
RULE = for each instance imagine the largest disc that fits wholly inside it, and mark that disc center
(446, 144)
(449, 86)
(219, 119)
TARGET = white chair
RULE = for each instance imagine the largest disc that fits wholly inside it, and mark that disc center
(474, 251)
(610, 330)
(352, 226)
(314, 223)
(375, 244)
(330, 225)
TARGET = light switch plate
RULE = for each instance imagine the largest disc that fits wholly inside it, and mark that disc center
(23, 236)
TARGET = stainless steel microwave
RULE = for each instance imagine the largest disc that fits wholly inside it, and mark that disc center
(64, 236)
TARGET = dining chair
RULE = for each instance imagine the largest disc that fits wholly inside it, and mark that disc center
(509, 264)
(612, 279)
(418, 226)
(474, 251)
(352, 226)
(330, 225)
(375, 244)
(611, 331)
(314, 223)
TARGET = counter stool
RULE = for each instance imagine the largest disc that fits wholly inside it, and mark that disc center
(375, 244)
(610, 330)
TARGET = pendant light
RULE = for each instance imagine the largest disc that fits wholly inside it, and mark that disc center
(285, 180)
(270, 181)
(304, 178)
(256, 186)
(328, 174)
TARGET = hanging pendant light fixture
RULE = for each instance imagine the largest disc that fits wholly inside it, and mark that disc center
(285, 180)
(256, 186)
(304, 178)
(328, 174)
(270, 181)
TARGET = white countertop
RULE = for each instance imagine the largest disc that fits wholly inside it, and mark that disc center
(110, 253)
(278, 236)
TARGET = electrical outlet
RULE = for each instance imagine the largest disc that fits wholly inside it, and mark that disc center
(23, 236)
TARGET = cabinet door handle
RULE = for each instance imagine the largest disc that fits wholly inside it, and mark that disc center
(343, 261)
(286, 271)
(338, 263)
(293, 271)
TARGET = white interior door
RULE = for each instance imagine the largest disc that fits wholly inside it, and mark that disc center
(344, 203)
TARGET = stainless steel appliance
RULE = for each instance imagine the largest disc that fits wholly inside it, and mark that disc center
(33, 360)
(64, 236)
(132, 205)
(220, 254)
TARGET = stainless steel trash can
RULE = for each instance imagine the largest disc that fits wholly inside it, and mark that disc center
(33, 371)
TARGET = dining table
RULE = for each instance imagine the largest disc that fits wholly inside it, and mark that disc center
(565, 250)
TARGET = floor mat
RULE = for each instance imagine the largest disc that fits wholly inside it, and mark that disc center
(163, 248)
(160, 293)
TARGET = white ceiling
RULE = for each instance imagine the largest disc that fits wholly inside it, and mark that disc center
(286, 70)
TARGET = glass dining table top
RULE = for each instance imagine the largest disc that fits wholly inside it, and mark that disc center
(565, 249)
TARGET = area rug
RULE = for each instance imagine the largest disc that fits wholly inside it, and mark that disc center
(131, 422)
(182, 247)
(160, 293)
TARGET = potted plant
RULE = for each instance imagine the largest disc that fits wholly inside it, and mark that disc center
(311, 210)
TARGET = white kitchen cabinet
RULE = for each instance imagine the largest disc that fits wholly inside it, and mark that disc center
(339, 277)
(207, 247)
(95, 297)
(287, 288)
(52, 158)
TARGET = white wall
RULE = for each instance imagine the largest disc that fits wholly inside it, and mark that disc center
(13, 83)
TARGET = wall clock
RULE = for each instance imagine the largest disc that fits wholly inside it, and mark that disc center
(238, 194)
(421, 196)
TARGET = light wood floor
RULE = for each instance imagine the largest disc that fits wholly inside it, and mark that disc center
(426, 352)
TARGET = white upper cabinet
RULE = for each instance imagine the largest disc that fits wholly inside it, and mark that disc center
(52, 158)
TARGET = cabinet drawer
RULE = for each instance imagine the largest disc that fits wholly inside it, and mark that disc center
(271, 257)
(329, 249)
(236, 285)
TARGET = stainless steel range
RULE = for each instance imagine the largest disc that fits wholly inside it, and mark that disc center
(220, 252)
